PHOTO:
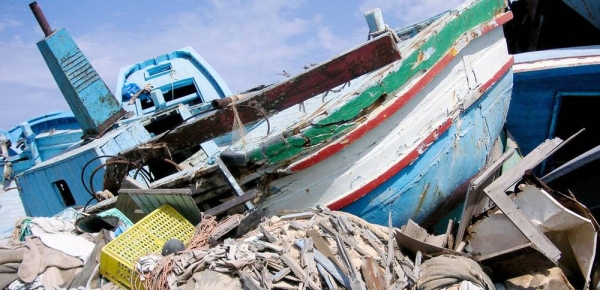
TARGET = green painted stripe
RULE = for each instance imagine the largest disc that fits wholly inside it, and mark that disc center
(344, 117)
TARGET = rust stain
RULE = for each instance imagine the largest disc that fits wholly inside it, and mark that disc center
(422, 198)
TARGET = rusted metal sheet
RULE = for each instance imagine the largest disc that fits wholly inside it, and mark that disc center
(366, 58)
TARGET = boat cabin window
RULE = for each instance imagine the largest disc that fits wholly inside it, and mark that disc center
(158, 70)
(180, 89)
(573, 112)
(65, 192)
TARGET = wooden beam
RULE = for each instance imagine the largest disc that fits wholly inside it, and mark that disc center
(366, 58)
(249, 195)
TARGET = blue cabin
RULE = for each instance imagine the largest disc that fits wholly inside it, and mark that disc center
(180, 84)
(49, 187)
(556, 93)
(40, 138)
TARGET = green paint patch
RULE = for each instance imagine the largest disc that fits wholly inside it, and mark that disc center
(428, 54)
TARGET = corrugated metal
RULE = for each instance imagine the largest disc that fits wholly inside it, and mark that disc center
(38, 190)
(180, 199)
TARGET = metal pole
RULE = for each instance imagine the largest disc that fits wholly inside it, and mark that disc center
(41, 18)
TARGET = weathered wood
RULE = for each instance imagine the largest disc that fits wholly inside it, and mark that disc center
(328, 279)
(335, 271)
(409, 245)
(280, 274)
(308, 258)
(372, 274)
(291, 262)
(297, 216)
(270, 238)
(375, 242)
(355, 281)
(496, 192)
(319, 79)
(322, 246)
(249, 195)
(328, 228)
(149, 199)
(225, 226)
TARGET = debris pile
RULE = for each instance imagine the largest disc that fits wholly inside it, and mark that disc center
(318, 249)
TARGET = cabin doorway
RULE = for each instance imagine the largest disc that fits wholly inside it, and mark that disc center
(573, 112)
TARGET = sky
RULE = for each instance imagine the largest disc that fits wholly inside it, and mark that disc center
(249, 43)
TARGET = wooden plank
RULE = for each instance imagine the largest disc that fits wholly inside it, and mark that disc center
(355, 282)
(366, 58)
(280, 274)
(345, 239)
(496, 192)
(232, 203)
(322, 246)
(334, 270)
(475, 194)
(291, 262)
(372, 274)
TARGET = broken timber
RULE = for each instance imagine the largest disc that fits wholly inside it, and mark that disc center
(372, 55)
(496, 192)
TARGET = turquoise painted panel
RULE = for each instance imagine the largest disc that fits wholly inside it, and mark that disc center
(38, 189)
(531, 108)
(86, 93)
(451, 161)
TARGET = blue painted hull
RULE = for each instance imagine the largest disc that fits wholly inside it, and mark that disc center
(456, 156)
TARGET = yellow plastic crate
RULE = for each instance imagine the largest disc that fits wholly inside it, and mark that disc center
(145, 237)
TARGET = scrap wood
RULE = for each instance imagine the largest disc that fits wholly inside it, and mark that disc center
(299, 272)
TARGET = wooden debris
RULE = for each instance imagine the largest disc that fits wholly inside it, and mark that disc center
(298, 271)
(322, 246)
(270, 238)
(280, 274)
(355, 281)
(346, 240)
(372, 274)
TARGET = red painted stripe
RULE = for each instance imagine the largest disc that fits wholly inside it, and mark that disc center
(392, 108)
(407, 160)
(415, 153)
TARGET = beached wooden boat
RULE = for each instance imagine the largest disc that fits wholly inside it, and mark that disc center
(52, 177)
(394, 125)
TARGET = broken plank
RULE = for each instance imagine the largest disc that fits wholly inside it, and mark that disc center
(280, 274)
(322, 246)
(249, 195)
(328, 228)
(372, 274)
(291, 262)
(355, 280)
(334, 270)
(366, 58)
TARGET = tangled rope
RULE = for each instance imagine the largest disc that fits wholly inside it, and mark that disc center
(155, 278)
(202, 234)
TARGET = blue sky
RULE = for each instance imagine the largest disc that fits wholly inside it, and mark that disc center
(247, 42)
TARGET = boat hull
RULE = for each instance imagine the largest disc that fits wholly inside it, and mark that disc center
(414, 159)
